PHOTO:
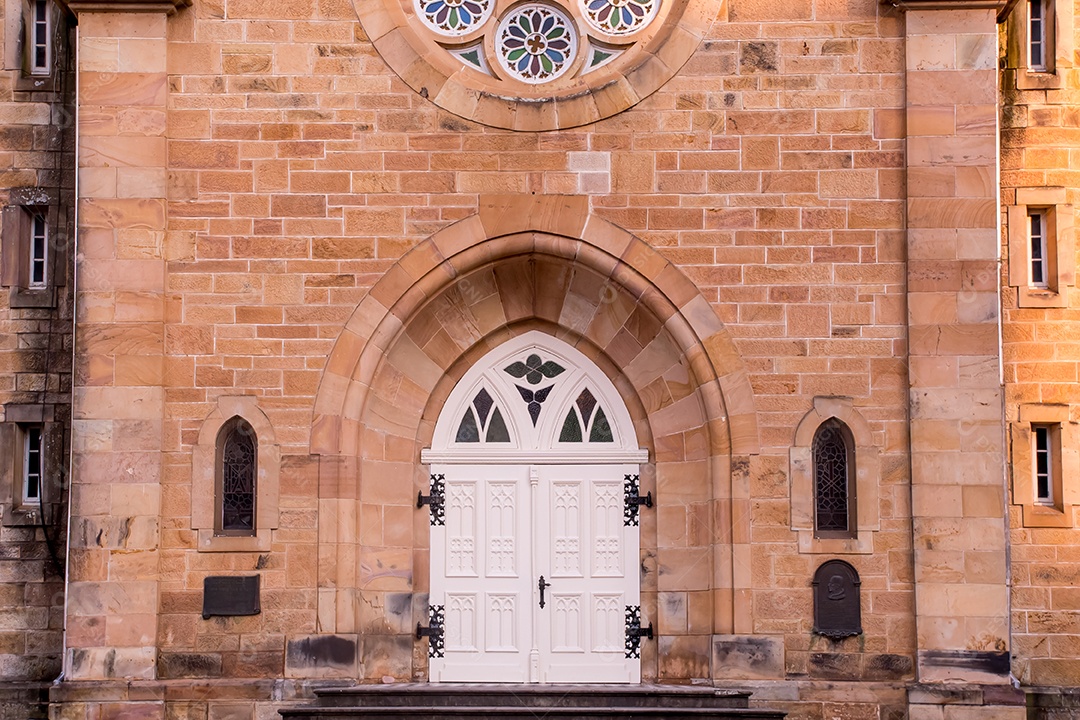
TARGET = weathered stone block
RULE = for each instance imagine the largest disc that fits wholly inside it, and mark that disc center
(189, 665)
(321, 656)
(747, 657)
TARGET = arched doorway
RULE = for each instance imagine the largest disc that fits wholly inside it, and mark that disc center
(534, 527)
(522, 264)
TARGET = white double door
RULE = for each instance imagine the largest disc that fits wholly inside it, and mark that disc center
(505, 527)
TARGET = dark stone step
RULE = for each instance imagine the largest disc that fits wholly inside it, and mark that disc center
(518, 713)
(530, 696)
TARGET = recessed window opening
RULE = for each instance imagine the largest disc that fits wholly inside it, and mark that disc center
(1037, 17)
(39, 37)
(237, 466)
(39, 251)
(32, 465)
(1037, 236)
(1043, 458)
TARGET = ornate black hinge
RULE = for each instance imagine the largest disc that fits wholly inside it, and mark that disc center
(633, 500)
(634, 631)
(436, 500)
(434, 631)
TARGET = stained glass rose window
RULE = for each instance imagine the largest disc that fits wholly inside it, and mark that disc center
(535, 64)
(620, 17)
(536, 42)
(454, 17)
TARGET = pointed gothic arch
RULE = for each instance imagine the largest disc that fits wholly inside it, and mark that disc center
(529, 264)
(862, 473)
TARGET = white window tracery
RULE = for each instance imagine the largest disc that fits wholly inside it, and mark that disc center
(536, 399)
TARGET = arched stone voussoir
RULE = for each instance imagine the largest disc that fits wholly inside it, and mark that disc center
(564, 215)
(555, 227)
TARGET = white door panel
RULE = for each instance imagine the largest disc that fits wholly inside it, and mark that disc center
(592, 565)
(505, 527)
(479, 576)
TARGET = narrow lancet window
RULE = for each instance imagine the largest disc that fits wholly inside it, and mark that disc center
(1045, 463)
(1037, 236)
(580, 417)
(834, 486)
(237, 466)
(1037, 17)
(39, 37)
(32, 464)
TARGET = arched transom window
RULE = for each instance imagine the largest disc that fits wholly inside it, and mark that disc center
(535, 399)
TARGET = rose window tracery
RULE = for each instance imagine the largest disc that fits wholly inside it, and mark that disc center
(536, 42)
(454, 18)
(619, 17)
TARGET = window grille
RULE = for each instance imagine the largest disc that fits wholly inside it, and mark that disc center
(237, 468)
(1037, 35)
(39, 251)
(833, 489)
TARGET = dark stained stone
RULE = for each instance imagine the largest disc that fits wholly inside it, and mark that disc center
(189, 665)
(320, 651)
(834, 666)
(888, 666)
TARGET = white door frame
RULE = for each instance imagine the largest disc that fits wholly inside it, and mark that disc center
(507, 428)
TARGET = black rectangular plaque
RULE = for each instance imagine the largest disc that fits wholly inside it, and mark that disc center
(837, 608)
(231, 595)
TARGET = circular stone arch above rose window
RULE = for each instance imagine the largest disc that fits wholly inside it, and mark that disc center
(538, 64)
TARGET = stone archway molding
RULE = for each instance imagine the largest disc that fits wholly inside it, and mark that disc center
(529, 263)
(569, 231)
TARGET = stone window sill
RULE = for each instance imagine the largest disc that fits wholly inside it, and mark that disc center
(209, 542)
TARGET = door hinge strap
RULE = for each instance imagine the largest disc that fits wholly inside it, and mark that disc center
(633, 500)
(436, 500)
(434, 631)
(634, 632)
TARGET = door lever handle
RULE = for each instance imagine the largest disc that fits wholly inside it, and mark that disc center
(543, 586)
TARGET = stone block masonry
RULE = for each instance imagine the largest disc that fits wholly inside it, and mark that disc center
(802, 220)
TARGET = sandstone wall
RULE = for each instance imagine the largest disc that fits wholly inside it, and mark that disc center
(770, 171)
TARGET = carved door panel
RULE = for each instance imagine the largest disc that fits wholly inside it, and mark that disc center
(480, 575)
(503, 527)
(590, 558)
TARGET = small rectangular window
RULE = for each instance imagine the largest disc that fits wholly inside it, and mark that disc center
(1044, 461)
(39, 251)
(31, 254)
(1043, 466)
(32, 464)
(40, 48)
(1041, 257)
(1037, 237)
(1037, 20)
